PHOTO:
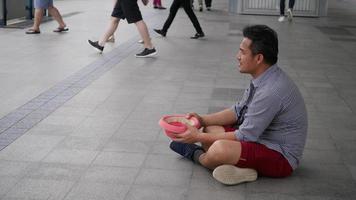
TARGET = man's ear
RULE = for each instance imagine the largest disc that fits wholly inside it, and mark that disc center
(260, 58)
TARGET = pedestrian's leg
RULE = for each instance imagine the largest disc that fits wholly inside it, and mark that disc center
(208, 4)
(200, 5)
(193, 18)
(39, 12)
(172, 13)
(282, 6)
(53, 11)
(114, 23)
(291, 4)
(155, 3)
(142, 29)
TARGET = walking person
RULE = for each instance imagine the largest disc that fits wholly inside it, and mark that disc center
(282, 7)
(157, 4)
(40, 6)
(186, 4)
(129, 10)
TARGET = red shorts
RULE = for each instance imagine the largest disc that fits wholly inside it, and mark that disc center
(265, 161)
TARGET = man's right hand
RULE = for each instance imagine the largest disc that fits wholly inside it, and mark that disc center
(200, 119)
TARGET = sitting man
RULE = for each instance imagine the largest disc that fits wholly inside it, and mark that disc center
(264, 133)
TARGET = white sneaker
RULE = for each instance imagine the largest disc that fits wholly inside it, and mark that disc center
(289, 15)
(281, 18)
(232, 175)
(140, 41)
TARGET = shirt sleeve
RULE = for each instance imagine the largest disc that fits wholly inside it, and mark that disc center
(260, 113)
(238, 106)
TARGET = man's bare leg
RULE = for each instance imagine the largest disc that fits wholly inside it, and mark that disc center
(38, 18)
(53, 11)
(221, 152)
(113, 24)
(142, 29)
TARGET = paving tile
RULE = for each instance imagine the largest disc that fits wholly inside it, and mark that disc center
(71, 156)
(160, 177)
(138, 192)
(120, 159)
(110, 175)
(96, 191)
(39, 189)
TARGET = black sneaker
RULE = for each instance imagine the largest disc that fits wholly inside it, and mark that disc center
(96, 45)
(201, 9)
(147, 53)
(208, 9)
(197, 35)
(184, 149)
(159, 31)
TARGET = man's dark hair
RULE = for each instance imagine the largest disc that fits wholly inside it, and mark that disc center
(264, 41)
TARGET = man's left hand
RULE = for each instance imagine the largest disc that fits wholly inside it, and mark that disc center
(189, 136)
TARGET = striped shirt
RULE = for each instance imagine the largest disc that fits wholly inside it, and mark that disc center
(272, 112)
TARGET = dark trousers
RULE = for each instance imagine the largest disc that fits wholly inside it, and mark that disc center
(208, 3)
(188, 9)
(282, 5)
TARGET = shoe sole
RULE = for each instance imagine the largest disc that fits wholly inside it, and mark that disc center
(232, 175)
(146, 56)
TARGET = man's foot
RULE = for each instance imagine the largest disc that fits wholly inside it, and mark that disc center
(197, 35)
(208, 8)
(281, 18)
(184, 149)
(61, 29)
(33, 31)
(111, 39)
(232, 175)
(147, 53)
(162, 8)
(96, 45)
(160, 32)
(289, 15)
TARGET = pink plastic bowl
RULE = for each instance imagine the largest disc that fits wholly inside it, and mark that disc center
(177, 124)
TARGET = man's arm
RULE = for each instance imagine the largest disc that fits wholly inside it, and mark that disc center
(222, 118)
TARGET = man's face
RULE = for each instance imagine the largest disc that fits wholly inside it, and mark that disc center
(247, 61)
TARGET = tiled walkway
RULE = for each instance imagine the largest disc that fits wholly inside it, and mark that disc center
(78, 125)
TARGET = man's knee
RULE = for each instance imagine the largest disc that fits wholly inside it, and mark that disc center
(218, 150)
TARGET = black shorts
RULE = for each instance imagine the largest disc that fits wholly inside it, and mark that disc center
(127, 9)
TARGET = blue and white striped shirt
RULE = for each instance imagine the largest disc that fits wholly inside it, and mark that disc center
(272, 112)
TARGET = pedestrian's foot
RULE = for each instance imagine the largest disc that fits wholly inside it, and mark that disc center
(159, 31)
(33, 31)
(232, 175)
(61, 29)
(162, 8)
(289, 15)
(140, 42)
(184, 149)
(111, 39)
(197, 35)
(281, 18)
(201, 9)
(147, 53)
(155, 7)
(96, 45)
(208, 8)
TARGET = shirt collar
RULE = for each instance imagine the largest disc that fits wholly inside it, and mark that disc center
(265, 75)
